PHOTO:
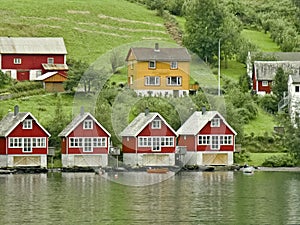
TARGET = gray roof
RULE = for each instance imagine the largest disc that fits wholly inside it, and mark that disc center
(266, 70)
(280, 56)
(140, 122)
(32, 45)
(163, 55)
(9, 122)
(194, 124)
(295, 78)
(76, 121)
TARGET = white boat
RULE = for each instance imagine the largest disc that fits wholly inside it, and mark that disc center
(248, 169)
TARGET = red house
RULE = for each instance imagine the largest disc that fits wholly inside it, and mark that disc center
(23, 141)
(26, 58)
(208, 138)
(149, 141)
(84, 143)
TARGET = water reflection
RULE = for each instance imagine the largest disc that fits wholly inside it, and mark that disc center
(184, 198)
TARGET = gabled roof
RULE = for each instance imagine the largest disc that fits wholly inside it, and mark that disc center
(10, 122)
(49, 74)
(160, 54)
(279, 56)
(197, 121)
(295, 79)
(266, 70)
(32, 45)
(140, 122)
(76, 121)
(47, 66)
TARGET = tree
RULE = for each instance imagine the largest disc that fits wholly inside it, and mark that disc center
(280, 84)
(116, 61)
(76, 71)
(4, 79)
(207, 22)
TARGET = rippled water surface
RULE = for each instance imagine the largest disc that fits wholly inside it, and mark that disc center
(141, 198)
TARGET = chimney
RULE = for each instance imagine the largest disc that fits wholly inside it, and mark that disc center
(16, 110)
(156, 49)
(146, 111)
(81, 110)
(203, 110)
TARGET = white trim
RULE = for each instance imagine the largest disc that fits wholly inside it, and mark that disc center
(88, 124)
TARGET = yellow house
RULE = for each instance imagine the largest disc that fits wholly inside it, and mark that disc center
(159, 71)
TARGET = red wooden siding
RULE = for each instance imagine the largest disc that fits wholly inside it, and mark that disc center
(2, 146)
(129, 144)
(22, 75)
(188, 141)
(29, 61)
(267, 89)
(82, 133)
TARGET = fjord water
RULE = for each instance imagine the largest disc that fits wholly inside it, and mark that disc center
(185, 198)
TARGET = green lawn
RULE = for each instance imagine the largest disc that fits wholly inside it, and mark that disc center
(263, 123)
(258, 158)
(261, 40)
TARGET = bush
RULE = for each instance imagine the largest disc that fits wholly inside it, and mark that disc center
(280, 161)
(25, 86)
(242, 157)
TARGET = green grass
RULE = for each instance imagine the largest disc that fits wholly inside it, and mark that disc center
(258, 158)
(261, 40)
(234, 70)
(263, 123)
(89, 28)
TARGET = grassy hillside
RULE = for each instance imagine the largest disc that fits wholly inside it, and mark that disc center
(90, 28)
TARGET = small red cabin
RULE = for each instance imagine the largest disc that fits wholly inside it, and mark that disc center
(149, 141)
(85, 143)
(26, 58)
(23, 141)
(208, 138)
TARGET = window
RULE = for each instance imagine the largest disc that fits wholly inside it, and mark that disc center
(174, 65)
(38, 142)
(152, 64)
(88, 145)
(215, 122)
(15, 142)
(215, 144)
(50, 60)
(131, 79)
(27, 124)
(131, 65)
(76, 142)
(226, 140)
(155, 144)
(99, 142)
(175, 81)
(38, 73)
(27, 147)
(167, 141)
(149, 80)
(203, 140)
(265, 83)
(88, 124)
(297, 89)
(156, 124)
(17, 61)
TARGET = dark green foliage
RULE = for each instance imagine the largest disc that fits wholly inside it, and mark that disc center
(280, 161)
(242, 157)
(25, 86)
(175, 7)
(269, 103)
(280, 84)
(4, 79)
(245, 83)
(76, 71)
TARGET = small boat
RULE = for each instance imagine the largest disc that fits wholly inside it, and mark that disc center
(248, 169)
(157, 170)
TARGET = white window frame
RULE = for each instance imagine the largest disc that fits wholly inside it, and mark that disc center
(215, 122)
(156, 147)
(203, 139)
(156, 124)
(152, 80)
(50, 60)
(265, 83)
(99, 142)
(165, 141)
(16, 142)
(38, 142)
(152, 64)
(88, 124)
(17, 61)
(75, 142)
(226, 140)
(27, 124)
(177, 79)
(215, 142)
(88, 144)
(27, 145)
(174, 65)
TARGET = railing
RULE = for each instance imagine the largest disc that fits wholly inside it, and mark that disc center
(283, 102)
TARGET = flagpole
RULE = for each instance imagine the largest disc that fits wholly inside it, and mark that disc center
(219, 68)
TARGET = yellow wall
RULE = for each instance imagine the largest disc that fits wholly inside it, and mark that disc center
(140, 70)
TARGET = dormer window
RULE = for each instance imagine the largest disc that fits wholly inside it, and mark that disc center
(152, 64)
(215, 122)
(156, 124)
(87, 124)
(174, 65)
(27, 124)
(50, 60)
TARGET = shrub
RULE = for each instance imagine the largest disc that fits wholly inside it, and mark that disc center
(286, 160)
(242, 157)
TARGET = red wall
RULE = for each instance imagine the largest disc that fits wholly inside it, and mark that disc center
(36, 131)
(130, 146)
(80, 132)
(29, 61)
(189, 142)
(267, 89)
(2, 146)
